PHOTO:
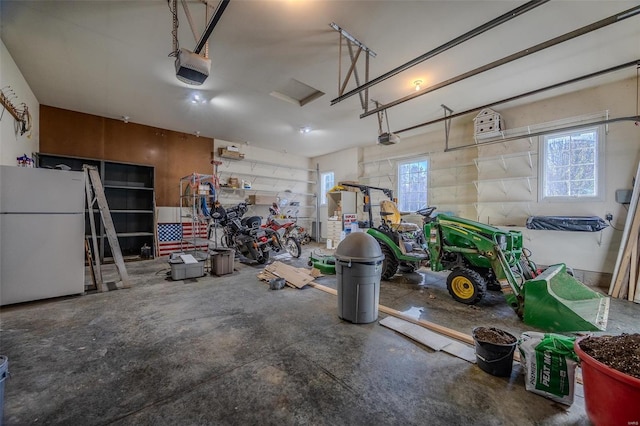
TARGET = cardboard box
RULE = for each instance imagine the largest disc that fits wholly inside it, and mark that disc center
(225, 153)
(262, 199)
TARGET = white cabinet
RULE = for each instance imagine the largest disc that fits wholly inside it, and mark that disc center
(334, 232)
(339, 203)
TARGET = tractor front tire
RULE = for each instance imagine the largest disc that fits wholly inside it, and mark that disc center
(389, 263)
(466, 286)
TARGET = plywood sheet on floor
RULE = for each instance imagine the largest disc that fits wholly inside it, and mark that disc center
(435, 341)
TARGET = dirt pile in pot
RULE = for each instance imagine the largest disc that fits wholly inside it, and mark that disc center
(621, 353)
(493, 335)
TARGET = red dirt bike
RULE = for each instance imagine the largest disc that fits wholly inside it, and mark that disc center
(288, 229)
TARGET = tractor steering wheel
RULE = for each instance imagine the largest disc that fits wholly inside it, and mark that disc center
(426, 212)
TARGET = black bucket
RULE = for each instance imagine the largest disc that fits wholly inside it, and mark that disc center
(495, 358)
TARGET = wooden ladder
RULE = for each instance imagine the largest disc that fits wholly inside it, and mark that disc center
(93, 187)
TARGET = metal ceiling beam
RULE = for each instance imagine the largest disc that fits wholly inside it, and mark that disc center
(518, 55)
(448, 45)
(634, 118)
(524, 95)
(211, 25)
(351, 38)
(353, 70)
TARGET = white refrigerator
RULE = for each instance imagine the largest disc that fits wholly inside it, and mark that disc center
(41, 233)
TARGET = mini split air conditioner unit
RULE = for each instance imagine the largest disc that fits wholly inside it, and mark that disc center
(192, 68)
(387, 138)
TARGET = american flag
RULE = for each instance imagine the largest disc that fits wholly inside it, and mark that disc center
(174, 237)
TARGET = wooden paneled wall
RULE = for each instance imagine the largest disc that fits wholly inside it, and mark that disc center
(173, 154)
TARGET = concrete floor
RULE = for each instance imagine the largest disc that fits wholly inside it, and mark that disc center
(227, 350)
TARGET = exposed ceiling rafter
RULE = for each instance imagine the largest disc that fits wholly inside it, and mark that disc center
(515, 56)
(353, 70)
(448, 45)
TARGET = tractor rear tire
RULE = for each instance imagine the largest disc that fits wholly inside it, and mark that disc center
(466, 286)
(407, 268)
(389, 263)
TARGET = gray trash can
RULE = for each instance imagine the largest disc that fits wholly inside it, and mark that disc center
(358, 269)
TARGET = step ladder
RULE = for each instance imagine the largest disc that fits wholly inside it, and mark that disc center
(93, 187)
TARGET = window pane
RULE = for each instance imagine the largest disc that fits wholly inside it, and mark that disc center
(570, 164)
(412, 185)
(326, 183)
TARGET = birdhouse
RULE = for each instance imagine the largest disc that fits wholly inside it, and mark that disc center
(487, 124)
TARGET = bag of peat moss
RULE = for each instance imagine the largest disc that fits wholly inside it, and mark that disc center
(549, 364)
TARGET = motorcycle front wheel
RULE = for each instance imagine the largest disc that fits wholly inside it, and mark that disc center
(293, 247)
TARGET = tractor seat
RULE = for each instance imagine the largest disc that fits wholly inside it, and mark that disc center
(389, 211)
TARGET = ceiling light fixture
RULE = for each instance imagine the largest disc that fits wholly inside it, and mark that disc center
(417, 83)
(197, 133)
(197, 99)
(125, 118)
(305, 129)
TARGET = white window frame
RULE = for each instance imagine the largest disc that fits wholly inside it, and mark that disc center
(323, 187)
(401, 203)
(599, 166)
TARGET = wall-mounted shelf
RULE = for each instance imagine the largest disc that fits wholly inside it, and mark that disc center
(250, 191)
(502, 181)
(503, 159)
(256, 176)
(397, 157)
(253, 163)
(459, 185)
(453, 167)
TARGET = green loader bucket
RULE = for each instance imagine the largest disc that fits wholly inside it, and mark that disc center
(556, 301)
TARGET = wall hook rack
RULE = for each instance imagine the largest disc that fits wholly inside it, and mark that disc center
(20, 113)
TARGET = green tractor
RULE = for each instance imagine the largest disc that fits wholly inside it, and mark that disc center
(482, 257)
